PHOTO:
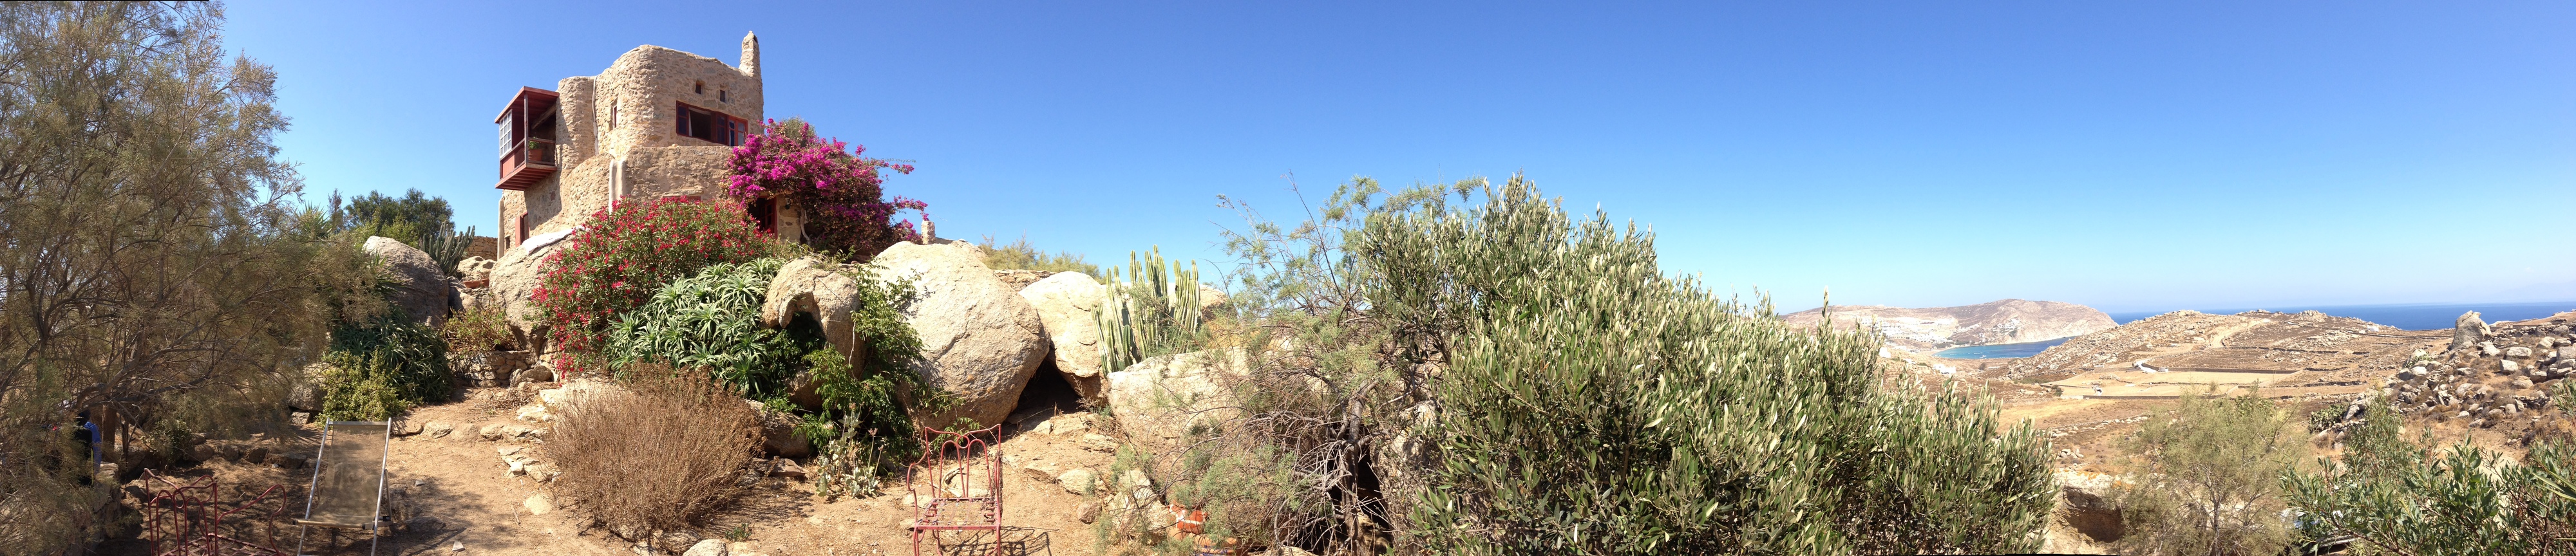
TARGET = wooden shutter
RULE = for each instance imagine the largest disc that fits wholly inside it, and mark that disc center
(682, 113)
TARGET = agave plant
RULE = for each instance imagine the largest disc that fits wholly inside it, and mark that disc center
(447, 248)
(710, 321)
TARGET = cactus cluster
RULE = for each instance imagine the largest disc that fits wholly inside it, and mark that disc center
(1152, 310)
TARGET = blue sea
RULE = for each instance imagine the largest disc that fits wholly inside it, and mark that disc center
(2410, 316)
(2000, 351)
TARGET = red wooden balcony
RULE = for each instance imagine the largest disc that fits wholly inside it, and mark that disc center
(524, 166)
(527, 138)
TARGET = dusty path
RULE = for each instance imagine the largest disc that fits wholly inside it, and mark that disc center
(461, 493)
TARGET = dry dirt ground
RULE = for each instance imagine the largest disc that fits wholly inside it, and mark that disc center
(2309, 361)
(456, 494)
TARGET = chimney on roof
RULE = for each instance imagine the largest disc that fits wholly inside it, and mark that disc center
(750, 55)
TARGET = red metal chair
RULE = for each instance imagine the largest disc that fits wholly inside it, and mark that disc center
(187, 519)
(944, 486)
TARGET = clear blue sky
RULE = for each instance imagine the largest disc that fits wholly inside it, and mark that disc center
(2126, 155)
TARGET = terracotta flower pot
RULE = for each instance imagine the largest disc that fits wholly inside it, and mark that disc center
(1188, 520)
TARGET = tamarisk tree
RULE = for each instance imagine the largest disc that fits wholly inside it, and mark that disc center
(145, 253)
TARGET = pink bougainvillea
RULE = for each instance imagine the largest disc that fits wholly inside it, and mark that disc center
(842, 192)
(629, 250)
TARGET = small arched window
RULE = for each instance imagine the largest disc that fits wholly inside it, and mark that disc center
(720, 96)
(702, 87)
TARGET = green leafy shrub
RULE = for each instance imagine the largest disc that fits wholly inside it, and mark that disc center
(379, 369)
(2208, 478)
(1020, 255)
(625, 255)
(380, 363)
(1528, 383)
(2401, 497)
(865, 429)
(712, 321)
(483, 328)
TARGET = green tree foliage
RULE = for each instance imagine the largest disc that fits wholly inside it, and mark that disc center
(2399, 497)
(1550, 391)
(405, 218)
(142, 257)
(2208, 478)
(383, 367)
(421, 221)
(710, 322)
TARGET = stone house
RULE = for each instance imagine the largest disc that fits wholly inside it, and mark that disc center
(657, 123)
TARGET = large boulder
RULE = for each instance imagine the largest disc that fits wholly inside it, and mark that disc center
(980, 341)
(475, 269)
(812, 286)
(1162, 400)
(2469, 331)
(827, 292)
(513, 285)
(420, 288)
(1068, 303)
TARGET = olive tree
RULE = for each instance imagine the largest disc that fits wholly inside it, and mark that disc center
(1501, 377)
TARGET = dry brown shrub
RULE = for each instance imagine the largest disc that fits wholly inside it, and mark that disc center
(659, 455)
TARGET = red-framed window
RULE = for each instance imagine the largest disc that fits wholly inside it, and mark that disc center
(711, 126)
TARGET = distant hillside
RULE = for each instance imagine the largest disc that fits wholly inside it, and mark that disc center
(2009, 321)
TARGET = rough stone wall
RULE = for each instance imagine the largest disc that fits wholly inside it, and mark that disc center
(682, 171)
(483, 246)
(576, 140)
(541, 202)
(646, 85)
(629, 112)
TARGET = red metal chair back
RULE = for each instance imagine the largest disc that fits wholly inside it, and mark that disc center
(188, 519)
(943, 484)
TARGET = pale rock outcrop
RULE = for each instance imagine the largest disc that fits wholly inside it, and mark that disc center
(2468, 331)
(1068, 304)
(778, 434)
(708, 547)
(1020, 279)
(2084, 505)
(980, 341)
(475, 269)
(1210, 297)
(421, 288)
(2008, 321)
(1161, 400)
(813, 286)
(514, 283)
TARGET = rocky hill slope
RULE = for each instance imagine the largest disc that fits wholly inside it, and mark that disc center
(2008, 321)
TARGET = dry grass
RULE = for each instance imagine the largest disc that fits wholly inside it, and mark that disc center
(661, 455)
